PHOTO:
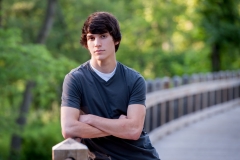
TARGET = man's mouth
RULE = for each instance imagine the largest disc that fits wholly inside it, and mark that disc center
(98, 51)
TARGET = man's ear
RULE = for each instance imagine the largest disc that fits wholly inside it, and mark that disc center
(116, 43)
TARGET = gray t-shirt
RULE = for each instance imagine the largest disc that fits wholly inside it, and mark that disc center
(85, 90)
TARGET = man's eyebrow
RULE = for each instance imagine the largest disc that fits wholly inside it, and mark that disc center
(89, 35)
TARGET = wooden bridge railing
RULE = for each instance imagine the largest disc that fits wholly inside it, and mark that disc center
(188, 94)
(169, 99)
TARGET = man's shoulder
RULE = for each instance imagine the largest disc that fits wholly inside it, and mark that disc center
(80, 69)
(129, 72)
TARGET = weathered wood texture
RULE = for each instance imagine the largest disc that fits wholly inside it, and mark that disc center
(214, 138)
(69, 149)
(161, 96)
(168, 99)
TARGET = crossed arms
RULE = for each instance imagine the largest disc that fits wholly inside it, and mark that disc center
(91, 126)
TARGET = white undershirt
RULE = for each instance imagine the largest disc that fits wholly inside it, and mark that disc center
(104, 76)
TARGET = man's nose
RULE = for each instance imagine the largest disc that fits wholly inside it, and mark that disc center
(97, 42)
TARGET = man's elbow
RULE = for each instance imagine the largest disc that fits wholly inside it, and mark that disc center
(135, 135)
(66, 134)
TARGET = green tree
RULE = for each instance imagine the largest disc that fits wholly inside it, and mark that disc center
(221, 24)
(20, 64)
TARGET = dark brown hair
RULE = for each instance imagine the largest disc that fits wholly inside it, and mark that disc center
(99, 23)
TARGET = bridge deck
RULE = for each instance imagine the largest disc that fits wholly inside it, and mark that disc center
(215, 138)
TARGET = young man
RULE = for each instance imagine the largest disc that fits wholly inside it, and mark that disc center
(111, 96)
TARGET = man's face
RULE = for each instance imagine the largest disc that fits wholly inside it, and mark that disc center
(101, 46)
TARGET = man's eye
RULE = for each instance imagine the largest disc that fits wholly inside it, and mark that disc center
(91, 38)
(103, 36)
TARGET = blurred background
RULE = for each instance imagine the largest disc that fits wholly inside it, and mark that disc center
(39, 45)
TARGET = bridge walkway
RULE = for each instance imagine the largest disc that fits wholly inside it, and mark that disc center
(214, 138)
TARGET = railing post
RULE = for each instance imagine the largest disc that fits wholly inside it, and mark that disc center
(236, 91)
(204, 100)
(157, 84)
(180, 106)
(209, 77)
(176, 81)
(148, 118)
(69, 149)
(238, 73)
(178, 103)
(211, 94)
(224, 94)
(215, 76)
(149, 86)
(218, 96)
(166, 82)
(187, 100)
(155, 109)
(230, 93)
(185, 79)
(202, 77)
(189, 104)
(229, 74)
(197, 102)
(195, 78)
(163, 113)
(170, 107)
(222, 75)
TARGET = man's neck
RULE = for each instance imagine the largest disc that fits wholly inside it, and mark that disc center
(104, 67)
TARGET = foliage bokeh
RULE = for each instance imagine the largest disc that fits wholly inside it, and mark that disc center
(159, 38)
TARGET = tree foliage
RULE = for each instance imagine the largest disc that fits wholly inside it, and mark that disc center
(20, 63)
(159, 38)
(221, 24)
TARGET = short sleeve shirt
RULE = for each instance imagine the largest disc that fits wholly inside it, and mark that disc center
(85, 90)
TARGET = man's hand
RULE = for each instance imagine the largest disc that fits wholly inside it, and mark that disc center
(122, 117)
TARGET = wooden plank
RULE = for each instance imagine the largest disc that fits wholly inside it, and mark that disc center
(163, 113)
(197, 102)
(155, 117)
(171, 110)
(69, 148)
(180, 107)
(189, 104)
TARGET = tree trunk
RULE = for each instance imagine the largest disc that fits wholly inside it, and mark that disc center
(216, 58)
(48, 22)
(1, 12)
(21, 121)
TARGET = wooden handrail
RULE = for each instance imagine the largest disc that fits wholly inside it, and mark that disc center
(157, 97)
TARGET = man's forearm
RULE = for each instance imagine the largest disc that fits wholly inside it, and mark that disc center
(71, 127)
(128, 126)
(122, 127)
(83, 130)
